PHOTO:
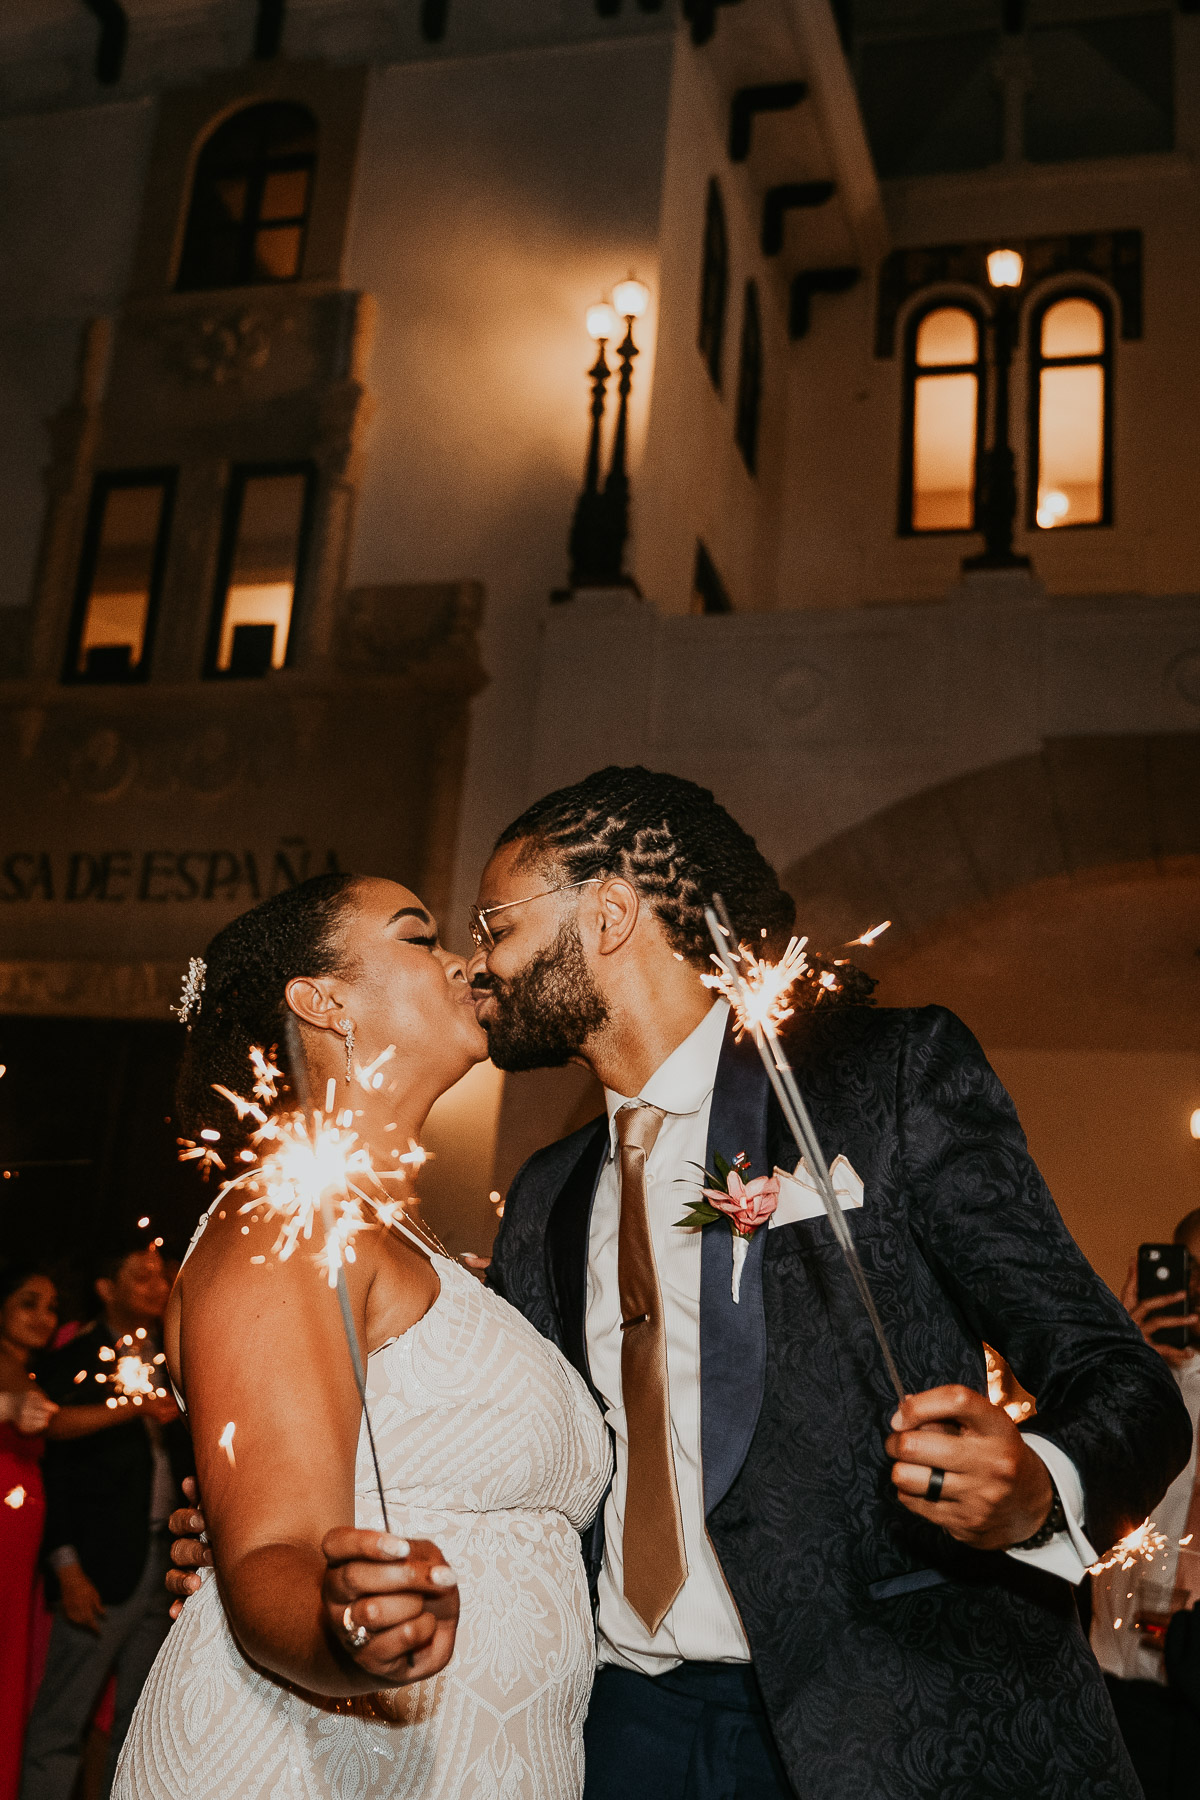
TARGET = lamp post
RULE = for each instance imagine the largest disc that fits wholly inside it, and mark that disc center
(630, 298)
(587, 526)
(997, 509)
(601, 523)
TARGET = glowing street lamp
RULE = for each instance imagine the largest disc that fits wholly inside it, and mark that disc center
(631, 297)
(997, 510)
(1005, 268)
(601, 523)
(601, 322)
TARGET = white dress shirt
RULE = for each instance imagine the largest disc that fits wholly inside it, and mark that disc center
(1118, 1595)
(702, 1624)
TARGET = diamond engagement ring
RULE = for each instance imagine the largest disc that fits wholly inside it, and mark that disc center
(356, 1635)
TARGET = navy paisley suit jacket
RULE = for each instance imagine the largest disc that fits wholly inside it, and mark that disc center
(895, 1663)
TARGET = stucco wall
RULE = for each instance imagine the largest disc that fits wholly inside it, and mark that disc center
(497, 198)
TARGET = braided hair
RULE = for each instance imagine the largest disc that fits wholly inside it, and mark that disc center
(248, 966)
(672, 840)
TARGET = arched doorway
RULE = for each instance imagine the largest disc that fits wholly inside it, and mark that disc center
(1053, 901)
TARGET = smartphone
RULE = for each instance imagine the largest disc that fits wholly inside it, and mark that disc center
(1163, 1269)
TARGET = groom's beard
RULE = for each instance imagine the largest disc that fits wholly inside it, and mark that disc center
(544, 1015)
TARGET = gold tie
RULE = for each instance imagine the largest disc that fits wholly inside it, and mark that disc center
(653, 1553)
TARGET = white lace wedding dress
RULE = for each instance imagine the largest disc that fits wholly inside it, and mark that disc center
(490, 1445)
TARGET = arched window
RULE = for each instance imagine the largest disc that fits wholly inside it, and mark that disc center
(749, 387)
(714, 284)
(250, 199)
(1070, 425)
(943, 420)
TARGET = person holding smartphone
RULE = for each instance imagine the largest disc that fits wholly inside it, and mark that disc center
(1133, 1608)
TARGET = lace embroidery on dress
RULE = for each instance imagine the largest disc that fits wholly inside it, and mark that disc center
(489, 1444)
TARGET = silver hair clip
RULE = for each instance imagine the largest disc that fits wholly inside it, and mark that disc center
(193, 991)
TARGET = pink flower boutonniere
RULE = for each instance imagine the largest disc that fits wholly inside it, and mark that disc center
(746, 1204)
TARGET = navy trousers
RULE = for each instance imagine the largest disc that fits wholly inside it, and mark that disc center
(699, 1733)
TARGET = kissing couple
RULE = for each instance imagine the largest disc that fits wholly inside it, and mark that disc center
(648, 1541)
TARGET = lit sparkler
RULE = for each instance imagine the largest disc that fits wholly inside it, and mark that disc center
(15, 1497)
(758, 992)
(736, 963)
(1145, 1543)
(225, 1443)
(869, 937)
(308, 1167)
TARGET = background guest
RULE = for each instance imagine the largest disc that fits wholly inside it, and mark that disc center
(112, 1476)
(1132, 1608)
(28, 1316)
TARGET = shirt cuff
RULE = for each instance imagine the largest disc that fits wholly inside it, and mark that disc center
(64, 1557)
(1068, 1554)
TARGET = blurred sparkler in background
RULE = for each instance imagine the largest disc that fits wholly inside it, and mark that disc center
(133, 1377)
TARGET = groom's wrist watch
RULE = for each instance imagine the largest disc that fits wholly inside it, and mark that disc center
(1055, 1521)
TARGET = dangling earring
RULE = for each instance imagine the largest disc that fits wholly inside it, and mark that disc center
(347, 1027)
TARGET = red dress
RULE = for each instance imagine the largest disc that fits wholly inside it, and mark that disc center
(22, 1514)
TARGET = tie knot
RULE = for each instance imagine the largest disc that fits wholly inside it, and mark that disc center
(638, 1125)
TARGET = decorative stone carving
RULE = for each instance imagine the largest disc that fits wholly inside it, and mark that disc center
(215, 349)
(101, 990)
(102, 765)
(212, 761)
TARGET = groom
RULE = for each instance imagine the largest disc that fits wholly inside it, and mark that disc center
(803, 1594)
(798, 1593)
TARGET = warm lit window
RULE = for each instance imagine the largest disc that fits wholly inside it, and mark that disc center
(944, 416)
(120, 575)
(1070, 378)
(250, 199)
(261, 566)
(714, 284)
(749, 388)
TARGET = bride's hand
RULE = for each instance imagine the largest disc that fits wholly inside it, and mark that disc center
(402, 1593)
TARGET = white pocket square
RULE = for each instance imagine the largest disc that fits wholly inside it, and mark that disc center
(799, 1198)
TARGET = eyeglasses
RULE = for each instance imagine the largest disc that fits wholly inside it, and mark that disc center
(481, 931)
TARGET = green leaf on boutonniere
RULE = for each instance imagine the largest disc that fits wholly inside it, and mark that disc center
(700, 1213)
(720, 1179)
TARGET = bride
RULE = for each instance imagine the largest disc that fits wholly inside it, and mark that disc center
(453, 1656)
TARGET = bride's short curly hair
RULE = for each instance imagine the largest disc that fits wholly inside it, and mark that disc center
(249, 963)
(669, 837)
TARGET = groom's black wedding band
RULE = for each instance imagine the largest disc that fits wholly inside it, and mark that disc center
(937, 1480)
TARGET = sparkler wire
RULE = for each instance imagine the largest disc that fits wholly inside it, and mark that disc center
(800, 1125)
(300, 1088)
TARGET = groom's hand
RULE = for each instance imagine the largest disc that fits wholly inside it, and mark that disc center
(187, 1552)
(996, 1492)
